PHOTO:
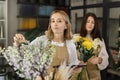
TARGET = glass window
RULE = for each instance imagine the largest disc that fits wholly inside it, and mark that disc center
(94, 1)
(114, 27)
(77, 2)
(99, 13)
(2, 10)
(76, 19)
(78, 24)
(2, 29)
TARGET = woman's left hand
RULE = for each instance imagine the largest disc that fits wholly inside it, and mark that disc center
(19, 38)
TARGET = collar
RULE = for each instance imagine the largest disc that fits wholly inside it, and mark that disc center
(57, 43)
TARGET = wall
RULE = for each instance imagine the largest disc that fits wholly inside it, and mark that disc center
(12, 20)
(114, 24)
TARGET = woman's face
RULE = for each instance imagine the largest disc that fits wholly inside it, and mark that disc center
(58, 24)
(90, 24)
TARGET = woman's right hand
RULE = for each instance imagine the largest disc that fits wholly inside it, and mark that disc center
(19, 38)
(95, 60)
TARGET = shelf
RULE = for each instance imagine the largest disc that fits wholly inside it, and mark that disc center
(28, 3)
(2, 20)
(2, 2)
(37, 16)
(43, 16)
(44, 2)
(26, 16)
(2, 38)
(3, 23)
(23, 30)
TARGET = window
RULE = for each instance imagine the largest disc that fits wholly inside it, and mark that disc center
(114, 25)
(76, 19)
(77, 2)
(94, 1)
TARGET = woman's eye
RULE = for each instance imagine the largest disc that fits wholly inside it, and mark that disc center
(92, 22)
(52, 21)
(88, 21)
(59, 21)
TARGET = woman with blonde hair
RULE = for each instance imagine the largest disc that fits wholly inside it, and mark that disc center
(59, 34)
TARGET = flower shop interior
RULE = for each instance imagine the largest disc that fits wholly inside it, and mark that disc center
(31, 18)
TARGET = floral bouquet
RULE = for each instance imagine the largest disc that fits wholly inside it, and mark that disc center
(30, 61)
(84, 46)
(87, 49)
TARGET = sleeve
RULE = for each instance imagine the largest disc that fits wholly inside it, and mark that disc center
(104, 55)
(73, 60)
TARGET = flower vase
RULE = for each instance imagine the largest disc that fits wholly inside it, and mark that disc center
(83, 75)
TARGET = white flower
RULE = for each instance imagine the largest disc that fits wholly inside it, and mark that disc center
(29, 61)
(75, 36)
(96, 43)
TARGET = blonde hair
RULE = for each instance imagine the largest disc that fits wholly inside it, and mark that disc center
(67, 33)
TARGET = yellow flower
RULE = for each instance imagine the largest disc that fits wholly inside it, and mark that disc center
(87, 44)
(85, 39)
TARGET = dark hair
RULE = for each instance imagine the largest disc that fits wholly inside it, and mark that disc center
(96, 33)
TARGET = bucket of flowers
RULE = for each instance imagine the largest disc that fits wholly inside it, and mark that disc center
(29, 61)
(32, 62)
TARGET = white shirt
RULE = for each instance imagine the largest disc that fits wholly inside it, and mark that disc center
(73, 60)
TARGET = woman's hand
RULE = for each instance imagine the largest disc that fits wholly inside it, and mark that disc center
(19, 38)
(38, 78)
(78, 69)
(95, 60)
(82, 62)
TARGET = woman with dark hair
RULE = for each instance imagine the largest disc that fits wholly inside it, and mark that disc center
(95, 32)
(91, 30)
